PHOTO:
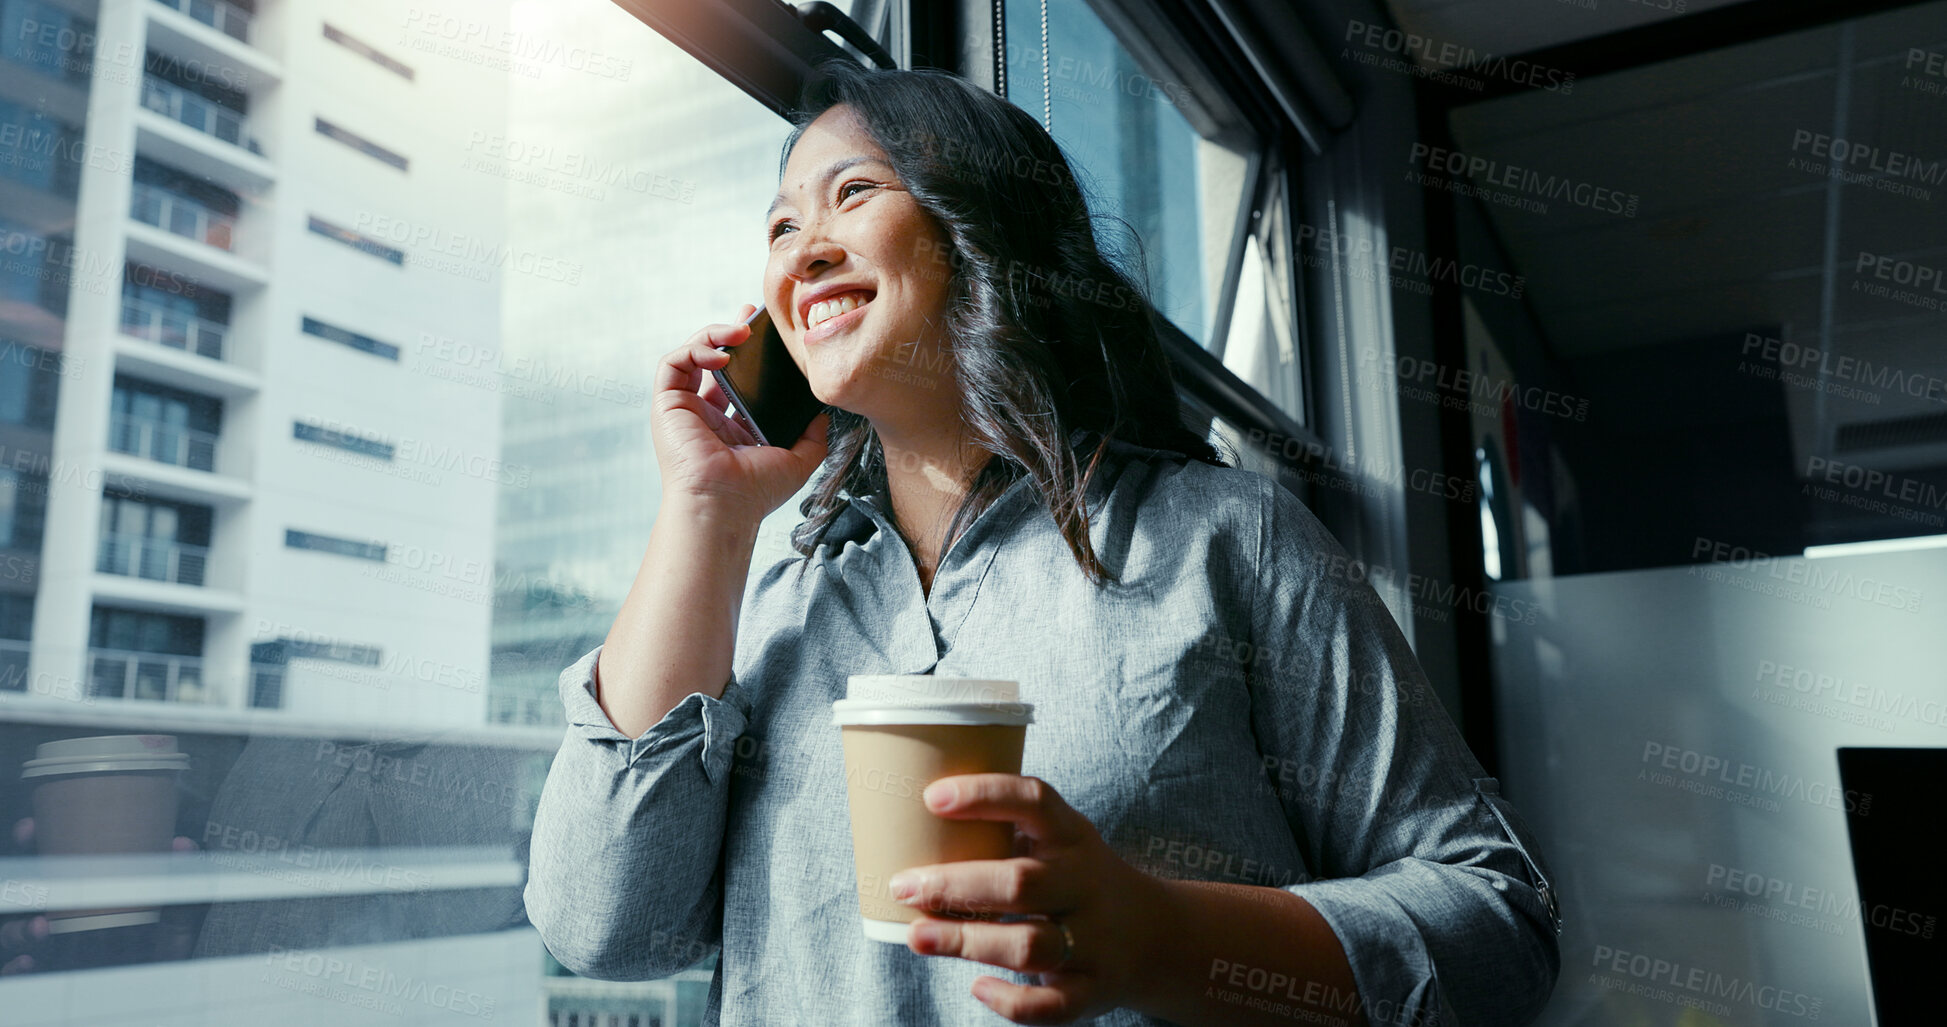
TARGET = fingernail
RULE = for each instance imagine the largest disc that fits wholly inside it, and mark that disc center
(940, 795)
(903, 885)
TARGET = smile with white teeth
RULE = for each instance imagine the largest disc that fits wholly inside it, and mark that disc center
(825, 310)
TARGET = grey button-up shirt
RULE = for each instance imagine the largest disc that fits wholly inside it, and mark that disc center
(1240, 707)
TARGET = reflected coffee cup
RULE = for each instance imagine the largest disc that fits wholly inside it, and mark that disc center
(105, 795)
(902, 733)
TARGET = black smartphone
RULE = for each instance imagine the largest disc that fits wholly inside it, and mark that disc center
(768, 394)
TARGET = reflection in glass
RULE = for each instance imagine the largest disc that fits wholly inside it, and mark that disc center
(1140, 161)
(1684, 400)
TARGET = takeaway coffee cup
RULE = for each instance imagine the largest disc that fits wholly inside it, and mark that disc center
(901, 733)
(104, 795)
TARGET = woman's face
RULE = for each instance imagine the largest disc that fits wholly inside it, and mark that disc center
(856, 279)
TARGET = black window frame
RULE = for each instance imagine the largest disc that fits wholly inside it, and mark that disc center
(329, 332)
(335, 545)
(103, 617)
(340, 134)
(355, 240)
(339, 437)
(369, 52)
(205, 412)
(195, 522)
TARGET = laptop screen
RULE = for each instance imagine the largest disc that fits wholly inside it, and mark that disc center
(1901, 866)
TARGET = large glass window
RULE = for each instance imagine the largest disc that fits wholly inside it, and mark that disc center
(37, 150)
(171, 308)
(46, 39)
(1166, 197)
(178, 202)
(147, 538)
(334, 591)
(30, 384)
(1261, 343)
(16, 626)
(672, 238)
(1708, 435)
(332, 594)
(32, 276)
(157, 422)
(143, 655)
(23, 508)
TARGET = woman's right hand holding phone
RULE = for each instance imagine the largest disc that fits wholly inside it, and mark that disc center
(677, 630)
(707, 457)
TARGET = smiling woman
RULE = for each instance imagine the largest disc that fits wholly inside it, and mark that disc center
(1029, 508)
(959, 217)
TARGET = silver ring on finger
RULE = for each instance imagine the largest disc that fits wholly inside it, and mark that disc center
(1067, 944)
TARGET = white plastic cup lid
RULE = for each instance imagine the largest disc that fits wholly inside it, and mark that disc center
(886, 699)
(926, 689)
(106, 753)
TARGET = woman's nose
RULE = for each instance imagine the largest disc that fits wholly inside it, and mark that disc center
(813, 253)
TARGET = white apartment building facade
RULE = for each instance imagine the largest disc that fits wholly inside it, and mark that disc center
(276, 474)
(243, 503)
(291, 513)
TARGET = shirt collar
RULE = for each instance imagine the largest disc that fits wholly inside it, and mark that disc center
(1123, 447)
(864, 513)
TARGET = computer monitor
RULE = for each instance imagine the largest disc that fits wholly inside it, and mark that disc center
(1897, 827)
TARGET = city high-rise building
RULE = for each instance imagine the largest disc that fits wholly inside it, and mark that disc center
(247, 500)
(325, 339)
(255, 497)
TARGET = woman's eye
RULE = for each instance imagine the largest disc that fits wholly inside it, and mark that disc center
(778, 229)
(845, 191)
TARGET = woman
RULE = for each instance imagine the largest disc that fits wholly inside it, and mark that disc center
(1240, 799)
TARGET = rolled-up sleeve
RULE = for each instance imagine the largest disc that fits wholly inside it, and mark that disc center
(623, 879)
(1425, 873)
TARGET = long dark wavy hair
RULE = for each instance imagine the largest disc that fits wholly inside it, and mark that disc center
(1046, 335)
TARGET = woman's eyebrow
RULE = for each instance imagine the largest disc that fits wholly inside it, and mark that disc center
(825, 177)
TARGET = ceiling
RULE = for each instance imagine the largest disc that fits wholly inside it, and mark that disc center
(1733, 227)
(1507, 27)
(1736, 230)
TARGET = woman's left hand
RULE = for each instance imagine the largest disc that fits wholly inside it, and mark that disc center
(1063, 871)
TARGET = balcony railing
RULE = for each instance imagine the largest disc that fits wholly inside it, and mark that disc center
(126, 674)
(206, 116)
(227, 18)
(157, 559)
(172, 328)
(180, 215)
(162, 442)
